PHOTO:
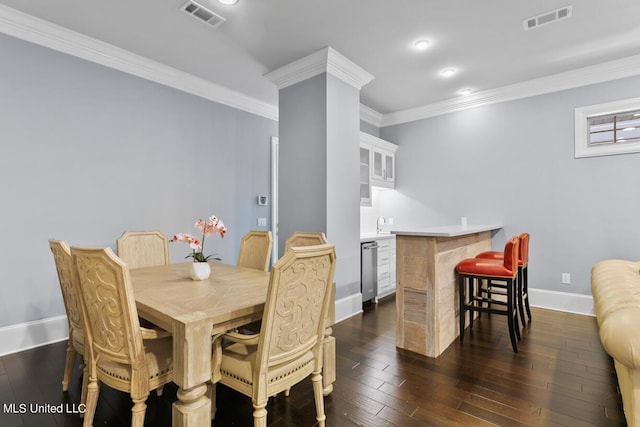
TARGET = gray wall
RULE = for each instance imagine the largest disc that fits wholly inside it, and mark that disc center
(318, 183)
(88, 152)
(343, 183)
(302, 174)
(369, 128)
(513, 163)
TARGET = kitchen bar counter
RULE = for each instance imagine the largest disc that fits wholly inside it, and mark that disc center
(446, 230)
(371, 236)
(427, 294)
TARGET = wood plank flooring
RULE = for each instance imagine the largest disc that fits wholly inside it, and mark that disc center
(560, 377)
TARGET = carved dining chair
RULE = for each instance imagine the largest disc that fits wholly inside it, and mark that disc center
(311, 238)
(255, 250)
(288, 348)
(71, 298)
(305, 238)
(143, 248)
(114, 338)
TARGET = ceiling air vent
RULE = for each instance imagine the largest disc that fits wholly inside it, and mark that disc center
(202, 13)
(547, 18)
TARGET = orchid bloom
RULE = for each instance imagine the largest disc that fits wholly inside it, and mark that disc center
(211, 226)
(193, 241)
(207, 227)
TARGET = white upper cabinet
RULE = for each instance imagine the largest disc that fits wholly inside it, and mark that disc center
(382, 158)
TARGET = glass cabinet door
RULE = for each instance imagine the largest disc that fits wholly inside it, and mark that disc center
(365, 178)
(388, 168)
(378, 165)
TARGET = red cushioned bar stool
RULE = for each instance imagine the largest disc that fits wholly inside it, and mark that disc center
(474, 298)
(523, 274)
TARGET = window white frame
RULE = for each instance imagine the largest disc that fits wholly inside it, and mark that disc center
(581, 135)
(274, 197)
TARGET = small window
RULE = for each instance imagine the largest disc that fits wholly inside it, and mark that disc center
(606, 129)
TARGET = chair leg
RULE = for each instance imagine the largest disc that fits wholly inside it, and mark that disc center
(525, 289)
(138, 411)
(211, 394)
(68, 365)
(472, 283)
(514, 312)
(92, 400)
(316, 378)
(519, 292)
(511, 316)
(462, 308)
(260, 414)
(85, 385)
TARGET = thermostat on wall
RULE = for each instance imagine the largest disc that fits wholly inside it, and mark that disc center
(263, 200)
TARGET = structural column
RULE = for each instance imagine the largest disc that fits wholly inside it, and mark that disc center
(318, 176)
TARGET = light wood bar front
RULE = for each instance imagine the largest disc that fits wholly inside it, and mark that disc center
(427, 295)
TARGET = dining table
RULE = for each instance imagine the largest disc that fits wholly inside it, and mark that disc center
(196, 312)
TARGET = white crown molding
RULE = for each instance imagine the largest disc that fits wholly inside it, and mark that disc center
(325, 60)
(370, 115)
(376, 142)
(35, 30)
(606, 71)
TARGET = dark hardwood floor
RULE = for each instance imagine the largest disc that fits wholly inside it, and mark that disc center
(560, 377)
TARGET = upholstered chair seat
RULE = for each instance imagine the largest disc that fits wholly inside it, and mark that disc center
(158, 358)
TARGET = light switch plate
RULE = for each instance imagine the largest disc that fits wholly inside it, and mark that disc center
(262, 222)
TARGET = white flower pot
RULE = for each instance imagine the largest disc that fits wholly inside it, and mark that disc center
(200, 270)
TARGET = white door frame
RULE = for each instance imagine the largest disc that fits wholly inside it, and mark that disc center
(274, 197)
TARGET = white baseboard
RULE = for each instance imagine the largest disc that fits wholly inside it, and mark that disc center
(24, 336)
(561, 301)
(348, 306)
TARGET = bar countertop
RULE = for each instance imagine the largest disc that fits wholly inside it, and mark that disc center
(445, 230)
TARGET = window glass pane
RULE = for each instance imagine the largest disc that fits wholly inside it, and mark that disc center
(620, 127)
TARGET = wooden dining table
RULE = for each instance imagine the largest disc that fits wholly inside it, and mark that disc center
(195, 312)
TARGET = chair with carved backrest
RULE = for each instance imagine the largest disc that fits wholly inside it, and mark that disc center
(255, 250)
(114, 337)
(305, 238)
(143, 248)
(289, 346)
(71, 299)
(311, 238)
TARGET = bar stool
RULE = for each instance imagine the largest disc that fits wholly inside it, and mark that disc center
(523, 274)
(476, 299)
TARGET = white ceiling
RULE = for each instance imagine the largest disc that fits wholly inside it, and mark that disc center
(484, 40)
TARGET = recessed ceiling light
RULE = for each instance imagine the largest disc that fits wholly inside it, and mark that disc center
(448, 72)
(421, 44)
(465, 91)
(628, 129)
(229, 2)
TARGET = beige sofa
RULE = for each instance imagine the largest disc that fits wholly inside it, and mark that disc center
(615, 285)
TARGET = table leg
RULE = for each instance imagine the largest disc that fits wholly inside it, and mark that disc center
(329, 360)
(192, 371)
(329, 347)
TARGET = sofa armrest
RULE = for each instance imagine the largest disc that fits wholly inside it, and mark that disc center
(620, 338)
